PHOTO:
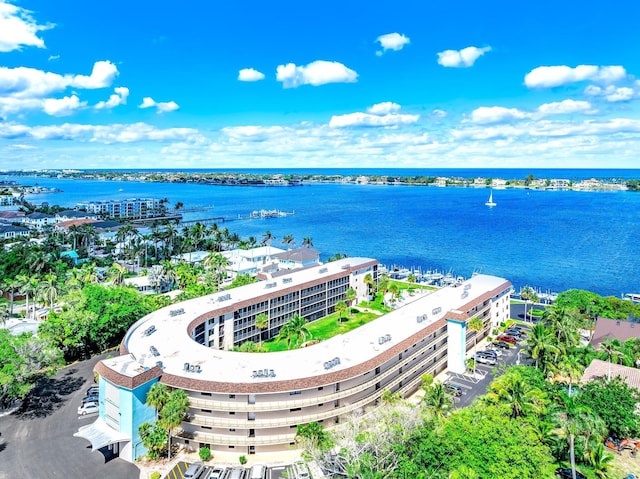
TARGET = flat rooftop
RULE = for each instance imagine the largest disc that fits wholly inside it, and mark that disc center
(174, 346)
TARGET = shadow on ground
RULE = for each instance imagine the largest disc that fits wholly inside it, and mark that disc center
(48, 395)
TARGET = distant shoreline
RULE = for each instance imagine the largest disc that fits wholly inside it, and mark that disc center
(256, 179)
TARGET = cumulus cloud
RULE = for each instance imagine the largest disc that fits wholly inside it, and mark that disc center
(553, 76)
(392, 41)
(18, 29)
(102, 75)
(315, 73)
(379, 115)
(383, 108)
(118, 98)
(106, 134)
(62, 106)
(565, 107)
(24, 82)
(162, 107)
(611, 93)
(496, 114)
(461, 58)
(249, 74)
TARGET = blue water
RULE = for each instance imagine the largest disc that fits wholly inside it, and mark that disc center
(553, 240)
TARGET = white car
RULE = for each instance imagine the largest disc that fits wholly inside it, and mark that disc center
(87, 408)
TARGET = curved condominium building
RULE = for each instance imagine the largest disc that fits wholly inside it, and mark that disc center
(252, 402)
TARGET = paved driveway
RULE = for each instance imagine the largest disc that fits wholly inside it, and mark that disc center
(37, 440)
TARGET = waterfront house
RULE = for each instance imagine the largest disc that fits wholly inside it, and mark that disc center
(38, 221)
(8, 231)
(250, 261)
(69, 215)
(614, 329)
(297, 258)
(131, 208)
(602, 369)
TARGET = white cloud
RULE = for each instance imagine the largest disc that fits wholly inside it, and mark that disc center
(496, 114)
(315, 73)
(24, 82)
(438, 113)
(53, 58)
(18, 28)
(118, 98)
(249, 74)
(611, 93)
(564, 107)
(105, 134)
(553, 76)
(162, 107)
(62, 106)
(102, 75)
(383, 108)
(461, 58)
(365, 119)
(392, 41)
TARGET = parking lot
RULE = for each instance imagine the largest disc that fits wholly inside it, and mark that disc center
(291, 471)
(474, 386)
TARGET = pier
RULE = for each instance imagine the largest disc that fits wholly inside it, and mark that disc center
(257, 214)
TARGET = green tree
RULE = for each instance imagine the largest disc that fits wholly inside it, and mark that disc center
(438, 400)
(601, 461)
(262, 322)
(117, 273)
(476, 325)
(541, 346)
(312, 437)
(463, 472)
(350, 295)
(294, 331)
(340, 308)
(514, 391)
(368, 280)
(611, 350)
(154, 438)
(172, 413)
(615, 402)
(157, 396)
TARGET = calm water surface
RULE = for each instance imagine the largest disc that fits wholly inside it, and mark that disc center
(553, 240)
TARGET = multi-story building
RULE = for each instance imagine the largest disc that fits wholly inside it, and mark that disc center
(132, 208)
(252, 402)
(38, 221)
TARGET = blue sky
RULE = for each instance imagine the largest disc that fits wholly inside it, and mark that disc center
(333, 84)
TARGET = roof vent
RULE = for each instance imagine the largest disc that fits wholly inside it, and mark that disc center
(618, 323)
(186, 366)
(323, 270)
(159, 364)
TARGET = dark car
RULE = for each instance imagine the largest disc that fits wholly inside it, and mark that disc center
(454, 389)
(90, 398)
(506, 338)
(502, 345)
(565, 473)
(93, 391)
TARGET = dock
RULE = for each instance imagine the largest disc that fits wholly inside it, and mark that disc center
(257, 214)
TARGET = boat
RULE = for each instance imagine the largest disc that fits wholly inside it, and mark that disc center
(490, 203)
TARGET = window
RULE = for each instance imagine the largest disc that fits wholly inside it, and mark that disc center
(293, 393)
(232, 413)
(295, 409)
(232, 396)
(232, 430)
(205, 410)
(205, 394)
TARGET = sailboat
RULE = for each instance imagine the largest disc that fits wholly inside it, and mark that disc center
(490, 203)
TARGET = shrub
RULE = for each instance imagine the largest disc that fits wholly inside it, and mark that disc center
(155, 475)
(243, 460)
(205, 454)
(502, 324)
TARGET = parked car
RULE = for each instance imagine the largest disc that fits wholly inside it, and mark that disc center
(484, 358)
(93, 391)
(565, 473)
(493, 348)
(87, 408)
(491, 352)
(508, 339)
(194, 471)
(302, 470)
(92, 398)
(454, 389)
(502, 344)
(217, 473)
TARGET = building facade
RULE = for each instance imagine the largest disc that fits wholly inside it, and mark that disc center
(252, 402)
(132, 208)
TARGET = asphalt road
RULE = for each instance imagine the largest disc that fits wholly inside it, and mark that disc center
(37, 441)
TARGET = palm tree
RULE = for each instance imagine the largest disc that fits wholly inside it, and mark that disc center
(611, 350)
(368, 280)
(287, 240)
(540, 345)
(350, 296)
(340, 308)
(267, 238)
(512, 389)
(157, 396)
(28, 286)
(571, 368)
(262, 322)
(49, 289)
(173, 412)
(218, 263)
(294, 331)
(117, 273)
(600, 460)
(438, 400)
(169, 273)
(571, 415)
(307, 242)
(476, 325)
(11, 286)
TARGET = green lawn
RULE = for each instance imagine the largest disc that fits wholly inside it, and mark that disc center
(326, 328)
